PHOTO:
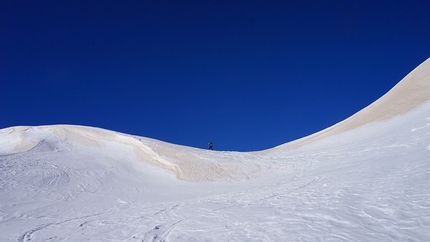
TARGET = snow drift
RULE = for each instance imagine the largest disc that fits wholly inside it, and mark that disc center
(186, 163)
(363, 179)
(197, 165)
(410, 92)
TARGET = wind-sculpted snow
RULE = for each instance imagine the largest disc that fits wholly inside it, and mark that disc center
(186, 163)
(410, 92)
(369, 182)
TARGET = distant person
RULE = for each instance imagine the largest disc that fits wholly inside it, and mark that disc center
(210, 145)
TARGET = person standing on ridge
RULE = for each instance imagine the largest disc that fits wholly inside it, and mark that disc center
(210, 145)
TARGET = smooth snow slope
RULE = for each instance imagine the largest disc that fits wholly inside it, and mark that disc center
(369, 182)
(410, 92)
(186, 163)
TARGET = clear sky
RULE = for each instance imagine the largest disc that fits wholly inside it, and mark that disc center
(245, 75)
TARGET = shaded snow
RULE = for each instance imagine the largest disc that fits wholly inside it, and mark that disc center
(369, 182)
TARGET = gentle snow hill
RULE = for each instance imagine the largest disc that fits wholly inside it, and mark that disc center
(192, 164)
(186, 163)
(363, 179)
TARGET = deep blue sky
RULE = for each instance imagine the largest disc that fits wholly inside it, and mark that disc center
(246, 75)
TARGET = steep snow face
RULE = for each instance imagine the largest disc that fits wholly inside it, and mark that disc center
(369, 182)
(410, 92)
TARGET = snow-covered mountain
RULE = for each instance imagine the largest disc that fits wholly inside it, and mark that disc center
(364, 179)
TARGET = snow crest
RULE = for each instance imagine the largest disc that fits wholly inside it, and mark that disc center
(364, 179)
(409, 93)
(186, 163)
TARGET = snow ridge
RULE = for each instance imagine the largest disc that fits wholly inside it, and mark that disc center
(410, 92)
(364, 179)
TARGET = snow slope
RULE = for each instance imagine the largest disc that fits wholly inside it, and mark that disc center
(410, 92)
(364, 179)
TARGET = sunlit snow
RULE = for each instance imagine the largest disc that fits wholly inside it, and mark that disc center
(364, 179)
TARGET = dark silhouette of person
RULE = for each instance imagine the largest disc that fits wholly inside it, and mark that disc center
(210, 145)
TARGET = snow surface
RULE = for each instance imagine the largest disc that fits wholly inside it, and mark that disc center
(364, 179)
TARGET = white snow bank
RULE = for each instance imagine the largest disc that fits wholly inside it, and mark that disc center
(410, 92)
(186, 163)
(367, 184)
(196, 165)
(12, 140)
(21, 139)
